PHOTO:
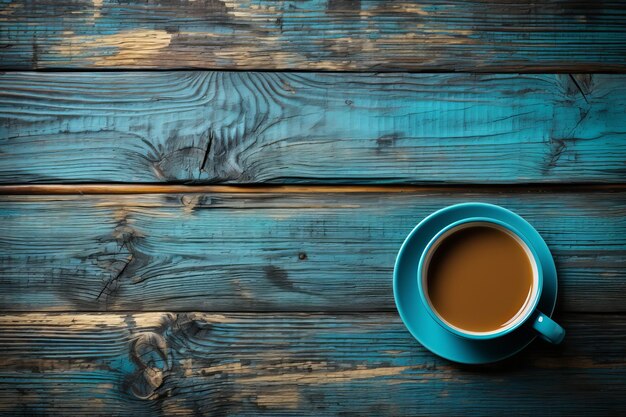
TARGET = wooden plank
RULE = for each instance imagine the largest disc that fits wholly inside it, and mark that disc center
(277, 364)
(311, 127)
(456, 35)
(274, 251)
(115, 189)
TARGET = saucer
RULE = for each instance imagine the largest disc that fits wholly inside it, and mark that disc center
(420, 323)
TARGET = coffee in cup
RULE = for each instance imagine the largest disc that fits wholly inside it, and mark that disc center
(481, 279)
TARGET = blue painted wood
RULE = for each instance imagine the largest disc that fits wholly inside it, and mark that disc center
(273, 251)
(311, 127)
(292, 364)
(453, 35)
(280, 253)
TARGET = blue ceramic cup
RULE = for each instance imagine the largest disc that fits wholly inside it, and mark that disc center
(547, 328)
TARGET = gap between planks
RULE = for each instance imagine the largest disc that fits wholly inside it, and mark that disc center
(335, 313)
(68, 189)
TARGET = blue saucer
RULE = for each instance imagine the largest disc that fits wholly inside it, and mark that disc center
(419, 322)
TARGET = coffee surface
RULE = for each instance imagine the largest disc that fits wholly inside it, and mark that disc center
(479, 279)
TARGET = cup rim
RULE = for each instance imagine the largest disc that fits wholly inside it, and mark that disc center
(479, 335)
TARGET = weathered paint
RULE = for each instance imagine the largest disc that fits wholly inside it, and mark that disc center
(457, 35)
(274, 251)
(281, 251)
(131, 46)
(288, 364)
(301, 127)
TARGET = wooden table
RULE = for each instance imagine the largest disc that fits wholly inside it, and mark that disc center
(201, 201)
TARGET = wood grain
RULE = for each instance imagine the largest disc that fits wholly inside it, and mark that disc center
(285, 364)
(433, 35)
(115, 189)
(236, 127)
(274, 251)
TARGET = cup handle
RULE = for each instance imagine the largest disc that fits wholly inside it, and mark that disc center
(548, 329)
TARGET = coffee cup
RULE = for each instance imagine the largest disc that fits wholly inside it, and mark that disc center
(479, 278)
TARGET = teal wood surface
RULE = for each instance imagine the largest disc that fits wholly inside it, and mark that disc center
(243, 127)
(167, 364)
(150, 298)
(431, 35)
(275, 251)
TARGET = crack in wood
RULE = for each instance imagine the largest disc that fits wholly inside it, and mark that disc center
(117, 276)
(556, 152)
(571, 76)
(207, 151)
(584, 114)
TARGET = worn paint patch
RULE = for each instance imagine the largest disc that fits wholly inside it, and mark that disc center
(79, 321)
(242, 291)
(229, 368)
(96, 403)
(408, 8)
(10, 8)
(97, 5)
(213, 318)
(242, 56)
(148, 320)
(130, 46)
(6, 12)
(26, 362)
(187, 366)
(282, 398)
(189, 203)
(177, 408)
(316, 376)
(430, 37)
